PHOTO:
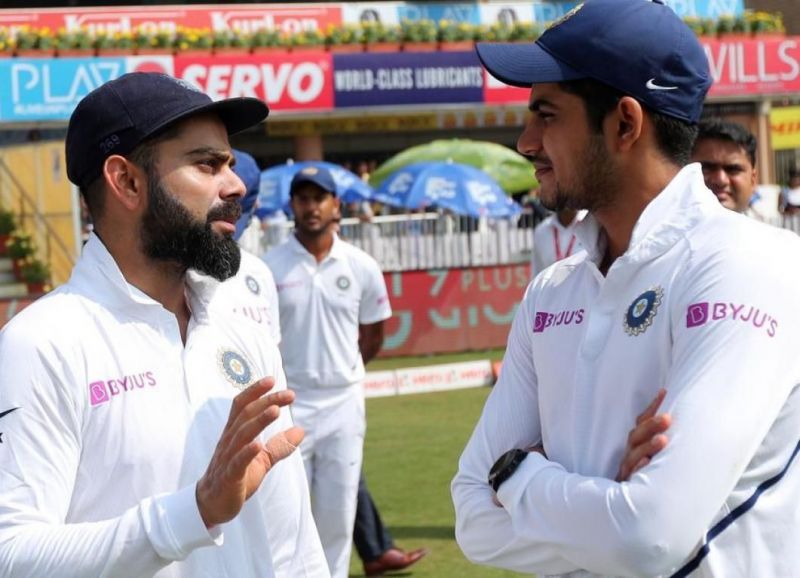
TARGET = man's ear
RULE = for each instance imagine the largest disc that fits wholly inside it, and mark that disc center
(628, 119)
(126, 181)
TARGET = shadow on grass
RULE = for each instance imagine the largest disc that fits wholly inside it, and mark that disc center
(433, 532)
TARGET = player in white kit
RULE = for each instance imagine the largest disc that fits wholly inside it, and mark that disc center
(333, 303)
(676, 301)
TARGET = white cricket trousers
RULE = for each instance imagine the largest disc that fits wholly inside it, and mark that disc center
(335, 424)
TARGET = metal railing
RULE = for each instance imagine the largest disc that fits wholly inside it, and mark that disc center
(431, 241)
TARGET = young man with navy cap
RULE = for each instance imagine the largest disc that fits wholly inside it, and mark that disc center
(150, 434)
(630, 432)
(333, 303)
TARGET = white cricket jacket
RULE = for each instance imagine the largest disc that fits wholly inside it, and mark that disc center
(706, 303)
(116, 420)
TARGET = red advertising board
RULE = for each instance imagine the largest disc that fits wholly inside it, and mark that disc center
(754, 67)
(452, 309)
(245, 18)
(285, 81)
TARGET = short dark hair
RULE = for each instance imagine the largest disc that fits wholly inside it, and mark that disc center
(674, 137)
(734, 132)
(143, 156)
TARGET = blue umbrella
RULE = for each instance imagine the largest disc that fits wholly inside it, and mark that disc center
(462, 189)
(273, 192)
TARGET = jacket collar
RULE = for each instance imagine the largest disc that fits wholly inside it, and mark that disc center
(664, 221)
(98, 276)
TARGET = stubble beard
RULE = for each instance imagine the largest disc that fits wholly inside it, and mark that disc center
(594, 186)
(170, 233)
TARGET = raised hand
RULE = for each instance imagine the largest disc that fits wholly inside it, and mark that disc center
(240, 461)
(646, 439)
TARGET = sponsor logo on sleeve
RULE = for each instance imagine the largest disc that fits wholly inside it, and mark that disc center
(544, 320)
(698, 314)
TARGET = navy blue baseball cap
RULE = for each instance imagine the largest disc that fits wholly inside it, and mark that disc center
(119, 115)
(319, 176)
(639, 47)
(246, 169)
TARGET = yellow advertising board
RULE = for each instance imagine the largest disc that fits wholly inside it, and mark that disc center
(785, 127)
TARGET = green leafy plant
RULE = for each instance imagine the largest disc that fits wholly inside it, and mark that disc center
(230, 39)
(419, 31)
(312, 37)
(34, 271)
(375, 32)
(344, 34)
(20, 246)
(267, 37)
(78, 39)
(524, 32)
(765, 22)
(8, 223)
(193, 39)
(452, 31)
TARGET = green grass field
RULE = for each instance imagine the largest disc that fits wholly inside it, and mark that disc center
(411, 454)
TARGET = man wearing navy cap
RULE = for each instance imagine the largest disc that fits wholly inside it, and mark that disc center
(630, 432)
(150, 434)
(333, 303)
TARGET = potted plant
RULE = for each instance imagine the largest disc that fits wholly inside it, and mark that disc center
(232, 42)
(379, 37)
(344, 38)
(35, 274)
(158, 42)
(6, 46)
(456, 36)
(76, 42)
(34, 42)
(766, 24)
(7, 226)
(419, 35)
(268, 40)
(311, 39)
(118, 43)
(18, 247)
(193, 41)
(524, 32)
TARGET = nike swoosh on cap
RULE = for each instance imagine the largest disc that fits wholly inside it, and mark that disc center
(8, 411)
(653, 86)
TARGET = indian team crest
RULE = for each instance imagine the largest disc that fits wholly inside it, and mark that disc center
(343, 283)
(235, 368)
(641, 312)
(252, 284)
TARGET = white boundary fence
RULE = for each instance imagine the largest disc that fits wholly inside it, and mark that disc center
(431, 241)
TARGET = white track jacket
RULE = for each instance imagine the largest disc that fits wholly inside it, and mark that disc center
(113, 420)
(705, 303)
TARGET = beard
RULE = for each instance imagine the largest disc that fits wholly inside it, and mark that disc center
(170, 233)
(594, 183)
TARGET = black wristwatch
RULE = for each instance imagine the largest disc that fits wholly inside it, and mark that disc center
(505, 466)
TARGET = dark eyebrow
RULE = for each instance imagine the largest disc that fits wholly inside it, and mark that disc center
(219, 155)
(538, 103)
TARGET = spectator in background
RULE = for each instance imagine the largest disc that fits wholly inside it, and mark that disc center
(790, 196)
(727, 152)
(333, 303)
(554, 239)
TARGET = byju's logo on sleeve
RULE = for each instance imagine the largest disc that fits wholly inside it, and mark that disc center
(698, 314)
